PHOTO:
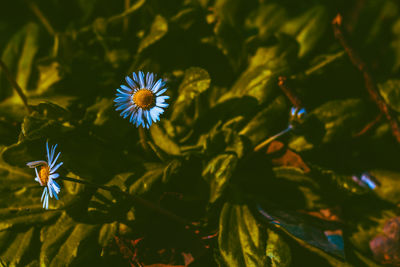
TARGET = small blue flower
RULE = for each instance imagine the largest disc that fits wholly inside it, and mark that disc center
(142, 101)
(46, 175)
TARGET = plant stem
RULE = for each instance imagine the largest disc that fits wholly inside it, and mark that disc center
(14, 84)
(369, 82)
(289, 92)
(136, 199)
(272, 138)
(125, 25)
(35, 9)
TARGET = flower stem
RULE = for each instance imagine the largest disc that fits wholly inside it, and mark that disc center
(289, 92)
(272, 138)
(136, 199)
(14, 84)
(35, 9)
(368, 80)
(127, 4)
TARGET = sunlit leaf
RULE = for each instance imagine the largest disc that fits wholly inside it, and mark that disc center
(241, 242)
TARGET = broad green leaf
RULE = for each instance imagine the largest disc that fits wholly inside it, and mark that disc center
(311, 232)
(18, 248)
(53, 236)
(241, 241)
(163, 141)
(341, 118)
(341, 182)
(157, 31)
(75, 242)
(388, 187)
(230, 40)
(390, 91)
(195, 82)
(267, 19)
(107, 232)
(102, 118)
(267, 122)
(148, 180)
(260, 79)
(288, 180)
(105, 203)
(218, 173)
(277, 250)
(49, 74)
(308, 28)
(29, 50)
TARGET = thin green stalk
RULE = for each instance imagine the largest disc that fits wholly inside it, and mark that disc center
(14, 84)
(272, 138)
(35, 9)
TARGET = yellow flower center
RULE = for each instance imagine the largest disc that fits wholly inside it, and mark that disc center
(44, 175)
(143, 98)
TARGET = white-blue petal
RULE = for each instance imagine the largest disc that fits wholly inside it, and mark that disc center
(139, 118)
(130, 82)
(161, 91)
(135, 78)
(133, 117)
(54, 176)
(162, 98)
(149, 80)
(125, 88)
(162, 105)
(123, 106)
(55, 168)
(154, 114)
(53, 150)
(148, 117)
(157, 86)
(48, 153)
(141, 79)
(44, 193)
(55, 160)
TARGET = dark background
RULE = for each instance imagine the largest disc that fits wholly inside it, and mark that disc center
(300, 201)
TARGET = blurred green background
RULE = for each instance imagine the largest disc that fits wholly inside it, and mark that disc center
(301, 201)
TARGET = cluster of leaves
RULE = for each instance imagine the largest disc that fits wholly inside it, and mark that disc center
(221, 60)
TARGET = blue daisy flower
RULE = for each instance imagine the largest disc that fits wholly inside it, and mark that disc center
(142, 101)
(46, 175)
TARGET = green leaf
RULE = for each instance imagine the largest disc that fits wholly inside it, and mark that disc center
(157, 31)
(277, 250)
(75, 242)
(292, 185)
(341, 118)
(53, 236)
(240, 240)
(308, 28)
(267, 122)
(163, 141)
(267, 19)
(195, 82)
(18, 57)
(29, 50)
(104, 203)
(18, 248)
(312, 232)
(49, 74)
(260, 79)
(217, 173)
(107, 233)
(388, 188)
(148, 180)
(390, 91)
